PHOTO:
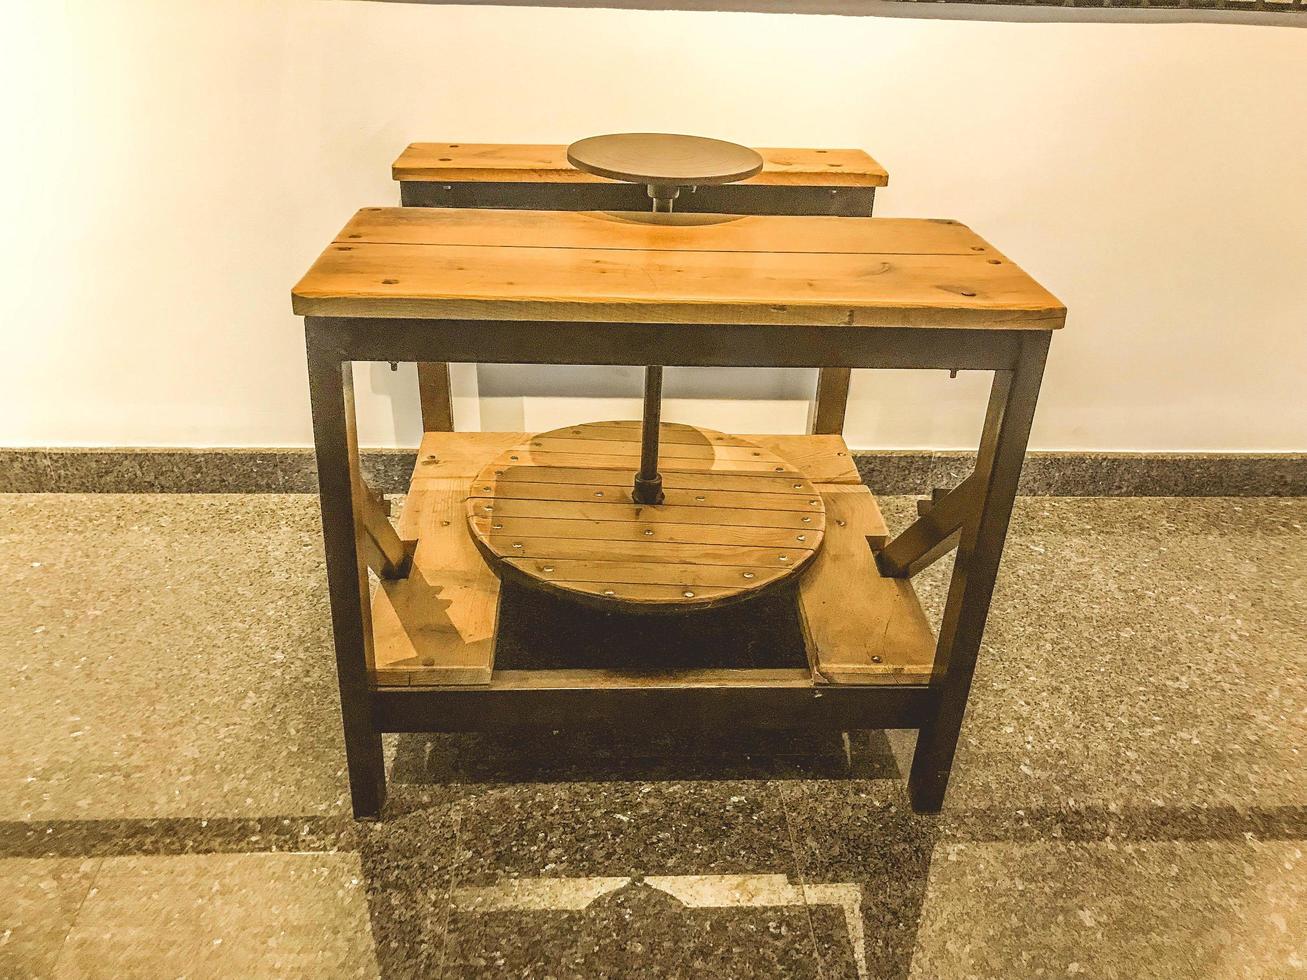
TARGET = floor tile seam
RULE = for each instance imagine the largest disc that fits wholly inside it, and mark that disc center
(72, 920)
(800, 873)
(449, 893)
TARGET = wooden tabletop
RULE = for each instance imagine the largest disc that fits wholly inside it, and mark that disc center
(539, 163)
(679, 268)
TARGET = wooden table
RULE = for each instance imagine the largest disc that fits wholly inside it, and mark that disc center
(591, 288)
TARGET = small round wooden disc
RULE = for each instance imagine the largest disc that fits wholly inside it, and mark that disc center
(664, 158)
(556, 513)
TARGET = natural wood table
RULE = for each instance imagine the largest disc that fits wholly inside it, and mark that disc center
(589, 288)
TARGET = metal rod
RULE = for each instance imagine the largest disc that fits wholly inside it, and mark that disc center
(648, 487)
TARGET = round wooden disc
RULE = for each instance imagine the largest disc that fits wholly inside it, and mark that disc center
(556, 513)
(664, 158)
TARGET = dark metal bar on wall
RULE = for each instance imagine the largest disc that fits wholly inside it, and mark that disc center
(1270, 12)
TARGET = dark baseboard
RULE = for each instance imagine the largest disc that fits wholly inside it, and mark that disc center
(1064, 474)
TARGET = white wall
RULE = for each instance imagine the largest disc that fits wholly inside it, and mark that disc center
(172, 167)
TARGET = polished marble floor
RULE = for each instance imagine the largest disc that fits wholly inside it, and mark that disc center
(1130, 798)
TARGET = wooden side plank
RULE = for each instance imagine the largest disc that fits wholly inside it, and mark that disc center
(437, 626)
(547, 163)
(460, 455)
(860, 628)
(803, 237)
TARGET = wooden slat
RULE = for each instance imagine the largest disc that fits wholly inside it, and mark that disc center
(624, 511)
(860, 627)
(831, 401)
(437, 625)
(637, 531)
(727, 499)
(547, 163)
(644, 573)
(673, 479)
(821, 458)
(666, 281)
(462, 455)
(649, 232)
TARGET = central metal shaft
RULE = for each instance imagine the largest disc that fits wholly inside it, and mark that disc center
(649, 482)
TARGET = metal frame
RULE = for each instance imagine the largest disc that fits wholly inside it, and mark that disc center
(686, 699)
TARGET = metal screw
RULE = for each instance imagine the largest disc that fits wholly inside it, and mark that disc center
(512, 459)
(688, 594)
(875, 658)
(803, 537)
(517, 544)
(839, 522)
(549, 568)
(486, 489)
(780, 469)
(814, 502)
(488, 507)
(599, 493)
(609, 592)
(648, 532)
(497, 527)
(785, 558)
(748, 575)
(807, 518)
(798, 486)
(700, 498)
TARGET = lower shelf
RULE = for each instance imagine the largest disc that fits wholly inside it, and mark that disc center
(436, 627)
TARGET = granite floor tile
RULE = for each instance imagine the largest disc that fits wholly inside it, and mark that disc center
(1141, 911)
(700, 927)
(39, 899)
(1140, 650)
(168, 655)
(221, 916)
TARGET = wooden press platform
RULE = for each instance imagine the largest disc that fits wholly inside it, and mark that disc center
(556, 512)
(436, 627)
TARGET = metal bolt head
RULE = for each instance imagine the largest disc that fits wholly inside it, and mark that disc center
(648, 532)
(814, 502)
(807, 518)
(609, 592)
(875, 658)
(784, 558)
(780, 469)
(798, 486)
(497, 526)
(599, 493)
(548, 568)
(803, 537)
(517, 544)
(749, 575)
(701, 498)
(688, 594)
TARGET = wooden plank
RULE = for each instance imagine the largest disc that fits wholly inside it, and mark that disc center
(648, 232)
(673, 479)
(860, 627)
(821, 458)
(636, 573)
(706, 531)
(547, 163)
(559, 281)
(624, 511)
(437, 626)
(767, 466)
(434, 396)
(653, 551)
(461, 455)
(386, 554)
(727, 499)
